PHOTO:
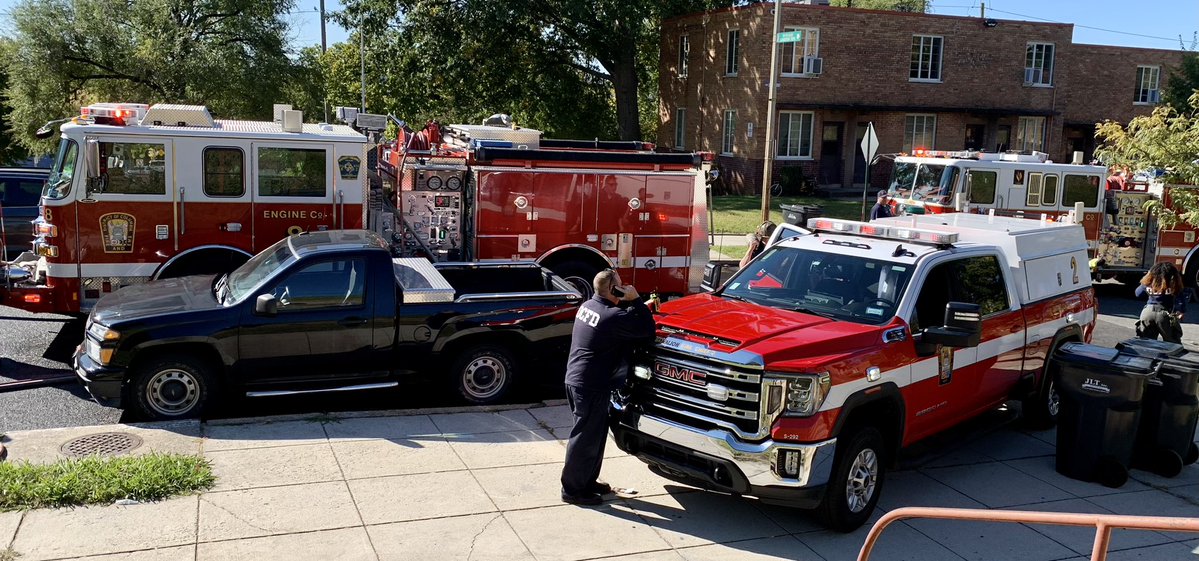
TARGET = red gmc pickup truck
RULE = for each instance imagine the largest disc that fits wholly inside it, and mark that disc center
(800, 379)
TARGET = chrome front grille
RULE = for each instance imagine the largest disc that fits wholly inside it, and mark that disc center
(708, 394)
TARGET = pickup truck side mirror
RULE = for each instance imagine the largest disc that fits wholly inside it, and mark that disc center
(266, 305)
(963, 327)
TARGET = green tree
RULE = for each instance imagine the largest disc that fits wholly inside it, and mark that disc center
(230, 55)
(1182, 83)
(1167, 139)
(571, 54)
(896, 5)
(10, 151)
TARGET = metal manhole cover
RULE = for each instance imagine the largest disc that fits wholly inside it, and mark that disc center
(104, 444)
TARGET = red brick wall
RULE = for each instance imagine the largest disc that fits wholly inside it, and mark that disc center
(866, 78)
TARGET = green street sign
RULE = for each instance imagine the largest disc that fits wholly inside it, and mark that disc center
(790, 37)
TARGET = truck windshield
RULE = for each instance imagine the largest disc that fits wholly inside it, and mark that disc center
(58, 185)
(244, 279)
(837, 286)
(923, 181)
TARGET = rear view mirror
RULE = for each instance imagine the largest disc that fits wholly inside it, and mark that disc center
(92, 157)
(963, 327)
(266, 305)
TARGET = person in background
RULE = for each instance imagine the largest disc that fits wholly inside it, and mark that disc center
(882, 208)
(1116, 181)
(1163, 312)
(757, 242)
(607, 328)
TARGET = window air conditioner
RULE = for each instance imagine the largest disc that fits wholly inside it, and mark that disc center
(813, 65)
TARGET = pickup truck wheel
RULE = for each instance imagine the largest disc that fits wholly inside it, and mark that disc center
(484, 374)
(1041, 408)
(856, 481)
(172, 388)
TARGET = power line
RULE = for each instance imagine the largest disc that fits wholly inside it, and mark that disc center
(1171, 39)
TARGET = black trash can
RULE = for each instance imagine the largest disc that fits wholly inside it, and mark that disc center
(798, 215)
(1101, 391)
(1150, 348)
(1169, 412)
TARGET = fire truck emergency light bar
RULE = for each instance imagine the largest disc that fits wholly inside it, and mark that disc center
(917, 235)
(126, 112)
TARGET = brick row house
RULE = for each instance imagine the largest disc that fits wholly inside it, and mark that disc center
(924, 81)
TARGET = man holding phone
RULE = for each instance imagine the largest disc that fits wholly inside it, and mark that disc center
(606, 330)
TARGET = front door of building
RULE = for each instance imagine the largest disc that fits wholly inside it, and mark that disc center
(1003, 138)
(974, 137)
(830, 154)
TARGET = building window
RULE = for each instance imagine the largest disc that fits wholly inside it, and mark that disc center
(1038, 64)
(919, 131)
(802, 58)
(1030, 134)
(926, 58)
(680, 128)
(729, 132)
(1148, 81)
(795, 134)
(684, 54)
(734, 47)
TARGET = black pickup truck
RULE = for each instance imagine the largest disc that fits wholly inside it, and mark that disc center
(324, 311)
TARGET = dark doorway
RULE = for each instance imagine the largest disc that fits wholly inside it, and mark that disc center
(974, 137)
(830, 154)
(1003, 138)
(859, 160)
(1081, 139)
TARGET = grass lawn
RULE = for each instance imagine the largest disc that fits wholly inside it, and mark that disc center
(740, 214)
(101, 480)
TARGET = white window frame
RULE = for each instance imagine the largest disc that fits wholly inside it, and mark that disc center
(791, 59)
(782, 152)
(1030, 134)
(684, 54)
(1149, 81)
(732, 52)
(728, 133)
(680, 128)
(1039, 76)
(927, 134)
(932, 44)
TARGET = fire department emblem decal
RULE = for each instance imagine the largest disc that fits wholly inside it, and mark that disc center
(945, 364)
(349, 166)
(116, 229)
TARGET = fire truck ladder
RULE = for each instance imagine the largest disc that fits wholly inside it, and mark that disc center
(1103, 523)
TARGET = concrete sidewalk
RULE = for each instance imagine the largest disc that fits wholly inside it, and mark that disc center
(476, 484)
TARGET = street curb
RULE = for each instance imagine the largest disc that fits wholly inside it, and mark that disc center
(338, 415)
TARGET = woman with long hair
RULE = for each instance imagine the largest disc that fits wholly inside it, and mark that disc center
(1163, 312)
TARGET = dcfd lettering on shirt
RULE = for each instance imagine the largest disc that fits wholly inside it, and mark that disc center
(588, 317)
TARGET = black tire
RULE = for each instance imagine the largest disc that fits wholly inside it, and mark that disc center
(483, 375)
(578, 274)
(172, 387)
(1040, 409)
(1167, 463)
(1192, 454)
(859, 471)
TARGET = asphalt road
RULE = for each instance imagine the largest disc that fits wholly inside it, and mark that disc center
(40, 346)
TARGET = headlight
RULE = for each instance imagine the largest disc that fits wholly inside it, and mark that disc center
(97, 335)
(803, 394)
(102, 332)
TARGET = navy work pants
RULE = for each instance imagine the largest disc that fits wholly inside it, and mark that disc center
(585, 450)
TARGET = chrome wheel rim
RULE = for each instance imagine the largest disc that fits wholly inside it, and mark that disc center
(863, 476)
(1053, 400)
(173, 392)
(484, 377)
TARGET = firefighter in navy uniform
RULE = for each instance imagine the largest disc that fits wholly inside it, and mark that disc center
(607, 328)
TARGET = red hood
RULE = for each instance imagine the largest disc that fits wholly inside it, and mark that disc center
(783, 338)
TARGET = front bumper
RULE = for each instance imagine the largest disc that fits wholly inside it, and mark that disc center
(103, 383)
(718, 461)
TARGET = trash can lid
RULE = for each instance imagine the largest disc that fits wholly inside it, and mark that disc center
(1151, 348)
(1083, 354)
(1185, 364)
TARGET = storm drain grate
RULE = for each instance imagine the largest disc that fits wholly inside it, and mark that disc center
(104, 444)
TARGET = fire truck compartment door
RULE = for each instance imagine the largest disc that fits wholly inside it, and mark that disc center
(131, 207)
(292, 188)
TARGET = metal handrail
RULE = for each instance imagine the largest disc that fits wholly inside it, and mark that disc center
(1103, 523)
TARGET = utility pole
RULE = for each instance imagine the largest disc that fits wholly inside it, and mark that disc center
(362, 61)
(324, 47)
(982, 10)
(768, 160)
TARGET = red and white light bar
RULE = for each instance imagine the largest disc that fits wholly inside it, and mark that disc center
(956, 154)
(129, 113)
(915, 235)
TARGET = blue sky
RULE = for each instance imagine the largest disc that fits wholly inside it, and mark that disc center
(1132, 23)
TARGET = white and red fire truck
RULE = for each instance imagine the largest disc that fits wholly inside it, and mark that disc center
(1125, 239)
(800, 379)
(141, 192)
(501, 193)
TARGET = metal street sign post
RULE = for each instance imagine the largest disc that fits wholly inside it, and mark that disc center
(869, 147)
(768, 161)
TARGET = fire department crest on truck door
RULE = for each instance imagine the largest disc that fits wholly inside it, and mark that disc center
(116, 228)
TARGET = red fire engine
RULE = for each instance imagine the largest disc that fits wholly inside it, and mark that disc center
(477, 192)
(141, 192)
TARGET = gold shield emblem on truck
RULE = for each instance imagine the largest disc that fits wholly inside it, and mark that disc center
(116, 230)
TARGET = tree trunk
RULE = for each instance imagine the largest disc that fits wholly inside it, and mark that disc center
(624, 82)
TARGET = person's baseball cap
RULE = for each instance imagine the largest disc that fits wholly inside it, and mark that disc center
(882, 193)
